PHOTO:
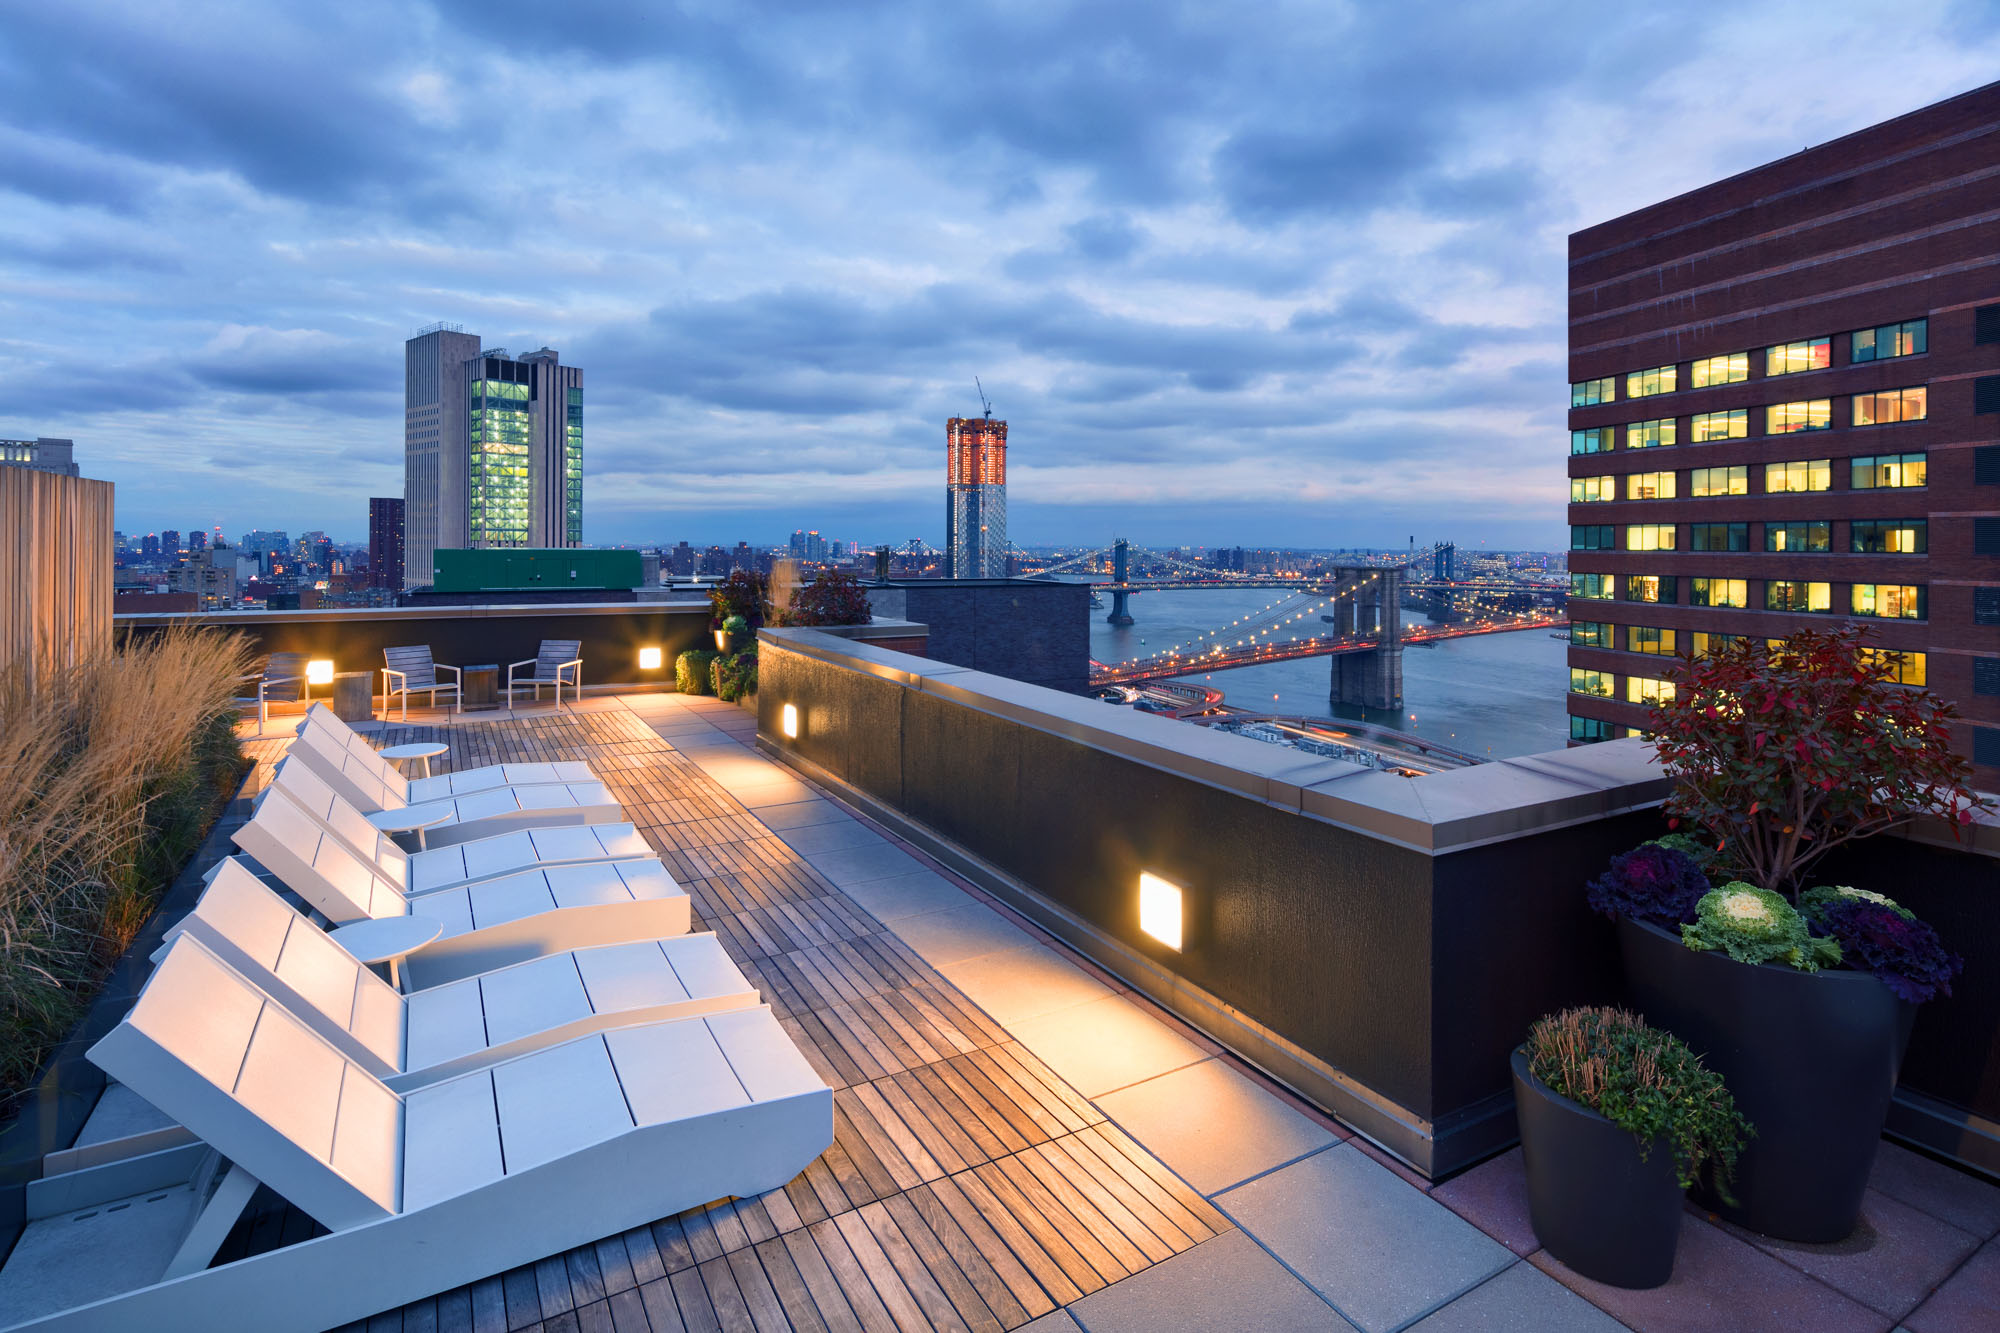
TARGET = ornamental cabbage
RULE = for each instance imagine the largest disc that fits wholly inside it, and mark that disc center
(1754, 925)
(1883, 939)
(1653, 883)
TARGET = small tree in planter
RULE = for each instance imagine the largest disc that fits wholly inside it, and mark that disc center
(832, 598)
(1779, 756)
(744, 593)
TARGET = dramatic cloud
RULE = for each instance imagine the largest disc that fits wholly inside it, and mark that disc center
(1279, 274)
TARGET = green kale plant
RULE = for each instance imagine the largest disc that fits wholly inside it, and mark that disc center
(1648, 1083)
(1754, 925)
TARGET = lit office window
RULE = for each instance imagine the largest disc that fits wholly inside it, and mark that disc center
(1719, 592)
(1661, 588)
(1646, 690)
(1703, 643)
(1889, 536)
(1791, 418)
(1649, 485)
(1589, 393)
(1810, 475)
(1597, 440)
(1904, 668)
(1591, 587)
(1791, 358)
(1887, 340)
(1596, 684)
(1649, 537)
(1649, 639)
(1709, 481)
(1731, 425)
(1888, 471)
(1888, 601)
(1889, 406)
(1589, 634)
(1646, 383)
(1649, 434)
(1730, 369)
(1797, 595)
(1808, 538)
(1719, 536)
(1590, 490)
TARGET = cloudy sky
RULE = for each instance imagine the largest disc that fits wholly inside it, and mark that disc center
(1259, 274)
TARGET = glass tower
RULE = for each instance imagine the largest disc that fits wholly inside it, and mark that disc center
(975, 537)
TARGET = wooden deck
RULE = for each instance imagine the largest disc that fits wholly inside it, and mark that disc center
(968, 1187)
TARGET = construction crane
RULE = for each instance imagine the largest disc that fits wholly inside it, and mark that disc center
(982, 397)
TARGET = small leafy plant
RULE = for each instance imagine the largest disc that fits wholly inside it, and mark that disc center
(735, 624)
(691, 671)
(734, 675)
(1754, 925)
(1648, 1083)
(1701, 854)
(1652, 882)
(1879, 936)
(744, 593)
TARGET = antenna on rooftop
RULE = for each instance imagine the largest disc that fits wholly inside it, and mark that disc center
(982, 397)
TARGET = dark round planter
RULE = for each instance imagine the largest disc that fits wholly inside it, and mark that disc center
(1811, 1058)
(725, 642)
(1594, 1204)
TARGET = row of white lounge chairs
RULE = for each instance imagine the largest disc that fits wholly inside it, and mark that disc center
(565, 1061)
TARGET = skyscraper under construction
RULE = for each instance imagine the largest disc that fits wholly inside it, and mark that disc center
(975, 516)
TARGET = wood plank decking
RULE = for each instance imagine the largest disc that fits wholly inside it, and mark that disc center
(968, 1186)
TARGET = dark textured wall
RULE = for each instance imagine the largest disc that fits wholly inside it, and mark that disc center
(1023, 629)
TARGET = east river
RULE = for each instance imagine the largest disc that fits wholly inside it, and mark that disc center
(1492, 695)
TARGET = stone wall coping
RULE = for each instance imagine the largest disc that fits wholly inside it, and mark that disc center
(1434, 814)
(326, 614)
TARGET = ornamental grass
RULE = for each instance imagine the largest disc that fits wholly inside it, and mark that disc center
(114, 771)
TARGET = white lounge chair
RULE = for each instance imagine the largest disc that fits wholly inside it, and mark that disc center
(421, 1191)
(327, 724)
(486, 925)
(457, 863)
(479, 815)
(412, 1040)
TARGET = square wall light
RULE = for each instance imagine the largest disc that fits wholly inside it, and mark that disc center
(319, 671)
(650, 659)
(788, 721)
(1160, 909)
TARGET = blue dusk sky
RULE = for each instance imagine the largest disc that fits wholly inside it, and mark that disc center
(1247, 274)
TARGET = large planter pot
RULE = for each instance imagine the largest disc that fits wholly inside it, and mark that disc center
(1811, 1058)
(1594, 1203)
(725, 641)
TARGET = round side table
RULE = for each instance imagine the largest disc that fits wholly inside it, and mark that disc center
(422, 751)
(387, 939)
(412, 819)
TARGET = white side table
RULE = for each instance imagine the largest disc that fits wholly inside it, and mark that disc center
(423, 751)
(387, 939)
(412, 819)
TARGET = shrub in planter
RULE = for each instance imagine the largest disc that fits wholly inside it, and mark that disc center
(832, 598)
(729, 638)
(1618, 1119)
(734, 676)
(1652, 882)
(691, 671)
(744, 593)
(1778, 756)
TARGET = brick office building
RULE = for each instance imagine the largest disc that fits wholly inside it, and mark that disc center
(1785, 404)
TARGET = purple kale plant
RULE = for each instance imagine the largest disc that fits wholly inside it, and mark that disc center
(1905, 954)
(1650, 883)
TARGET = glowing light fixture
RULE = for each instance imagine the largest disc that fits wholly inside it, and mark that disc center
(788, 721)
(1160, 909)
(319, 671)
(650, 659)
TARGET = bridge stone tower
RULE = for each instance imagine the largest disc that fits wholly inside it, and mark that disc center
(1372, 603)
(1121, 613)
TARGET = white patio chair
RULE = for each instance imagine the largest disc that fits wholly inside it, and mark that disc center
(448, 867)
(410, 670)
(334, 735)
(420, 1192)
(485, 925)
(452, 819)
(411, 1040)
(283, 680)
(555, 658)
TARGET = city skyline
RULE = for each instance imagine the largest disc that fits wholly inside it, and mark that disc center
(1333, 286)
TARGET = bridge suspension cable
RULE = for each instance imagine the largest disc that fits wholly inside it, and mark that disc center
(1259, 624)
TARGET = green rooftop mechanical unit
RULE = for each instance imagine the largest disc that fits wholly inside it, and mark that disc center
(527, 569)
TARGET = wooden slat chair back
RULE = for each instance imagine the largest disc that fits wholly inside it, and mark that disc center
(282, 680)
(558, 663)
(410, 669)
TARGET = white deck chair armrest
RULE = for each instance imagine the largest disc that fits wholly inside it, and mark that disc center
(529, 661)
(402, 676)
(439, 666)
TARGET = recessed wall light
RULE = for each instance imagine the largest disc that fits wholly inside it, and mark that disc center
(788, 721)
(1160, 909)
